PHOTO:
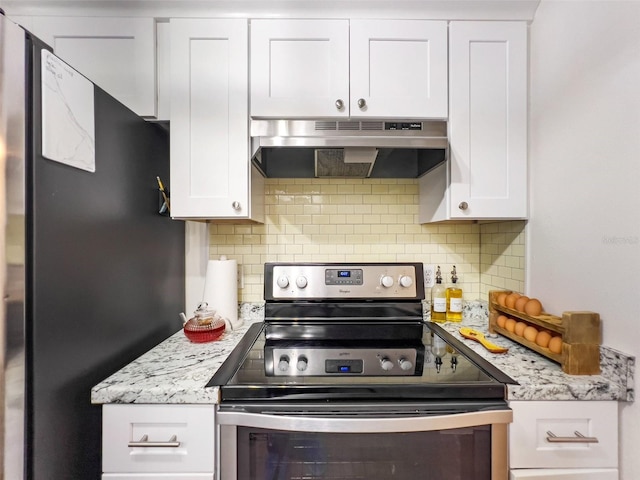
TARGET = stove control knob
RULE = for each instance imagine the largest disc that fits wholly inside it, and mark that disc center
(386, 281)
(405, 364)
(302, 363)
(283, 364)
(283, 281)
(301, 282)
(386, 364)
(406, 281)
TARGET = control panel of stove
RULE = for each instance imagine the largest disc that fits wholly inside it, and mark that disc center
(348, 281)
(328, 361)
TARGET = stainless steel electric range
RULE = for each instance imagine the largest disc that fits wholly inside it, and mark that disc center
(344, 361)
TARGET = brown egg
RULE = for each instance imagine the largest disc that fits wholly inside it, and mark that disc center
(501, 321)
(510, 301)
(521, 302)
(510, 325)
(501, 298)
(533, 307)
(530, 333)
(519, 328)
(555, 344)
(542, 339)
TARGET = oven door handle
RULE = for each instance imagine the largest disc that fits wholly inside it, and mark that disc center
(338, 424)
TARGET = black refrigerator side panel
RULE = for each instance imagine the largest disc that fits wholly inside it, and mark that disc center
(106, 280)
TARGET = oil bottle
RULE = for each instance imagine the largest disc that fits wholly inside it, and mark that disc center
(438, 299)
(454, 299)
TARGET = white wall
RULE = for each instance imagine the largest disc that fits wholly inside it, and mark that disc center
(584, 232)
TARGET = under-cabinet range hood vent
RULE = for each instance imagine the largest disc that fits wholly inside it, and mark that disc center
(347, 149)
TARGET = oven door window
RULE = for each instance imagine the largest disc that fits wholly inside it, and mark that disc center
(456, 454)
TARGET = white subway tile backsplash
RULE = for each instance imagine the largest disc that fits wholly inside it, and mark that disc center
(368, 220)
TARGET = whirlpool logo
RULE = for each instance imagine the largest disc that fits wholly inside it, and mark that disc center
(344, 291)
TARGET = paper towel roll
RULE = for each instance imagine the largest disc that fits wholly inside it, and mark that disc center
(221, 289)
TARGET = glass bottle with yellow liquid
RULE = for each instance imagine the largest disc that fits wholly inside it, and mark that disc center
(454, 299)
(438, 300)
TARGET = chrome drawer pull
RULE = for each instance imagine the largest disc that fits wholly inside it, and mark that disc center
(144, 442)
(579, 438)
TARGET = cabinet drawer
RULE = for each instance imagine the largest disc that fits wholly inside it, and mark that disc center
(564, 474)
(530, 447)
(159, 476)
(192, 449)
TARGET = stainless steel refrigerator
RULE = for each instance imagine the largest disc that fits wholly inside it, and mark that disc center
(93, 277)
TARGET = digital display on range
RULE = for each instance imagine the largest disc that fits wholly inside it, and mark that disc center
(343, 366)
(343, 277)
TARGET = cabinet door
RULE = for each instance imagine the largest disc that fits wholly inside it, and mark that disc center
(210, 164)
(488, 120)
(117, 54)
(398, 68)
(299, 68)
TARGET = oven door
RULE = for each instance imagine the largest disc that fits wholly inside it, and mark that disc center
(362, 442)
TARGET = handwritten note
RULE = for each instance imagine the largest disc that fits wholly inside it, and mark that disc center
(68, 125)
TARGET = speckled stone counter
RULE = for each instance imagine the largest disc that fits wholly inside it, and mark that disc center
(176, 371)
(542, 379)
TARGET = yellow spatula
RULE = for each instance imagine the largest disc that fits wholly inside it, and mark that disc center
(479, 337)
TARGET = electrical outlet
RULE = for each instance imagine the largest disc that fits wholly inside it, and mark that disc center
(429, 276)
(240, 277)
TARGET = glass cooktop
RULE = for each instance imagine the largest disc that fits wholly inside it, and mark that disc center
(448, 369)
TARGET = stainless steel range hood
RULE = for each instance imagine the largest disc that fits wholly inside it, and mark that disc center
(347, 148)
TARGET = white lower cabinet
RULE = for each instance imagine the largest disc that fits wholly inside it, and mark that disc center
(564, 440)
(167, 442)
(159, 476)
(565, 474)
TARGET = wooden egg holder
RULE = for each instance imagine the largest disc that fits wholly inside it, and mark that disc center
(580, 331)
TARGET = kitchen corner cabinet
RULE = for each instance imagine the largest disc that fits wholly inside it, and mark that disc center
(348, 68)
(485, 175)
(534, 452)
(211, 172)
(172, 442)
(117, 54)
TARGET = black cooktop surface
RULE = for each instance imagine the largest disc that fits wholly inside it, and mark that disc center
(450, 371)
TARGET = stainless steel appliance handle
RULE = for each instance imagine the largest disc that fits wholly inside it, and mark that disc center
(336, 424)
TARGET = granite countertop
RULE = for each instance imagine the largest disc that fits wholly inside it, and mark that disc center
(176, 371)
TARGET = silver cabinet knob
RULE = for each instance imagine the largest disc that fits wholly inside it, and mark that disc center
(463, 205)
(339, 104)
(362, 103)
(236, 206)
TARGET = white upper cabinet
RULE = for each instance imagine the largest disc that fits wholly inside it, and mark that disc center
(398, 68)
(342, 68)
(299, 68)
(211, 173)
(485, 176)
(117, 54)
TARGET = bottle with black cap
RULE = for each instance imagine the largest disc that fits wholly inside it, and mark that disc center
(438, 300)
(454, 299)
